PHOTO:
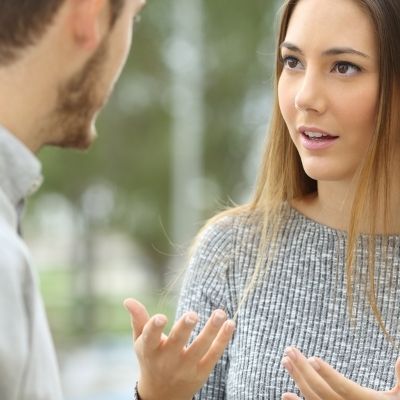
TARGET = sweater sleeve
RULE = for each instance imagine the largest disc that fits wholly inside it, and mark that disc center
(205, 288)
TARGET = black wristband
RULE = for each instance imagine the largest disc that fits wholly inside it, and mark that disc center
(137, 392)
(138, 395)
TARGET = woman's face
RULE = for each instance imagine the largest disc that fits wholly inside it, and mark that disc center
(328, 88)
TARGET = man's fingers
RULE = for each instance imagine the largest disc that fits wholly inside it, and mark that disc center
(217, 347)
(139, 316)
(181, 331)
(203, 341)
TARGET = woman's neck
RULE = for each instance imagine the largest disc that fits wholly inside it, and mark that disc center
(332, 206)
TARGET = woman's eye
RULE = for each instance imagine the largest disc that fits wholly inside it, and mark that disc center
(346, 68)
(291, 62)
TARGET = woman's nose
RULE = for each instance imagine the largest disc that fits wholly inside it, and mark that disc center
(310, 94)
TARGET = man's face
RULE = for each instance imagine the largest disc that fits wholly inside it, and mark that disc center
(80, 98)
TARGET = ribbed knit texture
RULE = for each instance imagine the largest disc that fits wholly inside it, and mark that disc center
(300, 300)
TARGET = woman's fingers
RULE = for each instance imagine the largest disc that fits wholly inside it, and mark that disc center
(208, 347)
(180, 332)
(290, 396)
(203, 341)
(307, 379)
(217, 347)
(152, 332)
(344, 387)
(316, 379)
(394, 393)
(167, 365)
(397, 369)
(139, 316)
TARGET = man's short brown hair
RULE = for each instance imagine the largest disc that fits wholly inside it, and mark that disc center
(22, 22)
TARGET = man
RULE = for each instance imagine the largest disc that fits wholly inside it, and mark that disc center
(59, 60)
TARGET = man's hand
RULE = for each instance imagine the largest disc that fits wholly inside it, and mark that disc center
(317, 380)
(169, 369)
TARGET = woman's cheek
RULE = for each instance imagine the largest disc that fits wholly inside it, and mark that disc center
(286, 101)
(358, 112)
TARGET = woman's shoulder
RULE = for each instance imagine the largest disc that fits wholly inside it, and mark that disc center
(215, 259)
(236, 227)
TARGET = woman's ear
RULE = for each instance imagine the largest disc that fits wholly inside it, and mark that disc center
(88, 21)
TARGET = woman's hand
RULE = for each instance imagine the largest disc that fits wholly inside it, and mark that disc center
(169, 369)
(317, 380)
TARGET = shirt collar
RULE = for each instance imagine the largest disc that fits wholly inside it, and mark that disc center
(20, 170)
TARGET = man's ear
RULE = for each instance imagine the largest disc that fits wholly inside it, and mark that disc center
(88, 22)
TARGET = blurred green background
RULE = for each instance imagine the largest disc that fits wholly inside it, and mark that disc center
(179, 140)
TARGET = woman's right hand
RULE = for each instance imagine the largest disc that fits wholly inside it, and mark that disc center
(169, 368)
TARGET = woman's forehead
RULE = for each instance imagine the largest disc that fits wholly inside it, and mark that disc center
(323, 24)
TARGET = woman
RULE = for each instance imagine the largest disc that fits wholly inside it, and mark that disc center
(312, 263)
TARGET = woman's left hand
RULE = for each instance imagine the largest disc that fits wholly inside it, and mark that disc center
(317, 380)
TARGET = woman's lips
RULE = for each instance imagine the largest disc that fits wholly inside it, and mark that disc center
(316, 140)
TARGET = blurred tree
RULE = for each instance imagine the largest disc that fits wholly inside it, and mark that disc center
(131, 160)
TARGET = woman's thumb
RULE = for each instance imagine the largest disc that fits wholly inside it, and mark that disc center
(139, 316)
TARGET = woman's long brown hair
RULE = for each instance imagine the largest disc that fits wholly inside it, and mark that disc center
(282, 177)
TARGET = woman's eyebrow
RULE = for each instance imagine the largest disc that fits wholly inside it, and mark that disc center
(344, 50)
(330, 52)
(290, 46)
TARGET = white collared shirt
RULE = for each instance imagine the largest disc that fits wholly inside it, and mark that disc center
(28, 366)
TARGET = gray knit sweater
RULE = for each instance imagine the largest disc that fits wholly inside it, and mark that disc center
(300, 301)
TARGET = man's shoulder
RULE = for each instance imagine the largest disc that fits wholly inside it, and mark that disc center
(8, 215)
(14, 254)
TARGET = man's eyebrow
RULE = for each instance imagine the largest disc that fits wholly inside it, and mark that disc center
(330, 52)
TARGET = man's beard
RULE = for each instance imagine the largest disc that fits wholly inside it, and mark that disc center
(71, 124)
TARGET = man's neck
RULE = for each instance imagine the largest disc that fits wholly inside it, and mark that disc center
(23, 106)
